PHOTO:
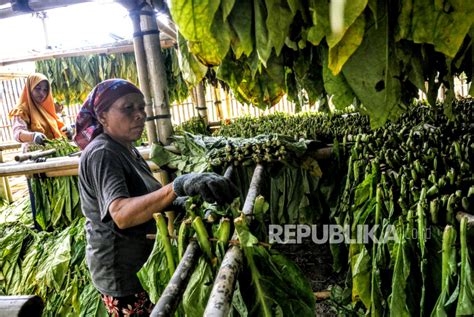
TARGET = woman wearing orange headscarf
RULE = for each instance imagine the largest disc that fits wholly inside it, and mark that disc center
(35, 118)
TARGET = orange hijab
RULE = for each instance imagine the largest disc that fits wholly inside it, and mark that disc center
(39, 118)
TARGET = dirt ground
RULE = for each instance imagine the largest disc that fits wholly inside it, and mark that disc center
(315, 261)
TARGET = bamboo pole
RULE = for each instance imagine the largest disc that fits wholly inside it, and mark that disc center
(10, 146)
(55, 166)
(170, 298)
(142, 71)
(21, 306)
(228, 106)
(167, 29)
(60, 173)
(157, 74)
(28, 168)
(324, 153)
(218, 102)
(33, 155)
(201, 101)
(220, 299)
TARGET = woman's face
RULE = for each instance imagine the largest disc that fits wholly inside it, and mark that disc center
(124, 121)
(40, 92)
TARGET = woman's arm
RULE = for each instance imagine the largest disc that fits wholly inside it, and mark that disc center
(133, 211)
(20, 131)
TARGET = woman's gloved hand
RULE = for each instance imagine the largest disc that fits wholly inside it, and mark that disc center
(210, 186)
(68, 132)
(179, 204)
(39, 138)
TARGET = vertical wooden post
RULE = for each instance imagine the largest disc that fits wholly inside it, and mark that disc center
(201, 101)
(142, 71)
(218, 102)
(5, 192)
(156, 70)
(228, 114)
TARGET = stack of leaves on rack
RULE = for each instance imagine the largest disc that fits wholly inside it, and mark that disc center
(72, 78)
(56, 198)
(308, 125)
(298, 189)
(411, 179)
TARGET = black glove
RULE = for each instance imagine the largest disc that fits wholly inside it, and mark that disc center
(68, 132)
(39, 138)
(210, 186)
(179, 204)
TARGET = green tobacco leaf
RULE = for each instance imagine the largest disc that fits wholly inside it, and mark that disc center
(57, 264)
(245, 237)
(91, 302)
(278, 22)
(263, 90)
(262, 38)
(291, 273)
(231, 71)
(465, 304)
(449, 272)
(422, 21)
(360, 268)
(227, 6)
(199, 288)
(373, 8)
(203, 27)
(403, 299)
(193, 17)
(320, 15)
(410, 58)
(337, 86)
(275, 286)
(241, 23)
(154, 274)
(193, 71)
(159, 155)
(379, 88)
(352, 10)
(343, 50)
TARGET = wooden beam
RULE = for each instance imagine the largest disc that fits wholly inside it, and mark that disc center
(12, 75)
(35, 6)
(120, 47)
(56, 166)
(9, 146)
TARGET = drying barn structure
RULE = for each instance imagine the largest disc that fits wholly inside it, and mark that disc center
(347, 127)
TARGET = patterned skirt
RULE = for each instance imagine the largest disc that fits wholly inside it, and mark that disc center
(134, 305)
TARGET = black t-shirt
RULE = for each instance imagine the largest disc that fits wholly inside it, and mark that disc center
(107, 171)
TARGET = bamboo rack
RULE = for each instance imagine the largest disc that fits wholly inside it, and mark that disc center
(220, 299)
(56, 166)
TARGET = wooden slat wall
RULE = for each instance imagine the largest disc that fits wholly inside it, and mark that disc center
(10, 91)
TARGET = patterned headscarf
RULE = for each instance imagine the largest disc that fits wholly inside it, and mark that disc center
(38, 117)
(99, 100)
